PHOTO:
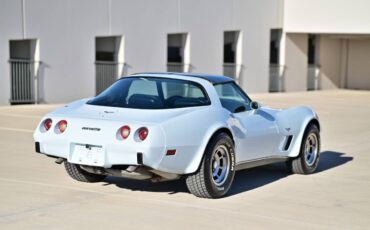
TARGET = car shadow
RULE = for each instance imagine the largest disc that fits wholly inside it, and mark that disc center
(245, 180)
(250, 179)
(170, 187)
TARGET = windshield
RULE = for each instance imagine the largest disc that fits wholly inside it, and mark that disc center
(152, 93)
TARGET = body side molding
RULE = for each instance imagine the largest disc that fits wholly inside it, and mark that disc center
(260, 162)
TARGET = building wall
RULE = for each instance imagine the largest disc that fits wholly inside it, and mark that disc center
(253, 18)
(296, 62)
(344, 28)
(327, 16)
(66, 31)
(345, 62)
(256, 19)
(10, 27)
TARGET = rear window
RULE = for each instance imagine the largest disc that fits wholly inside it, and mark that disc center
(152, 93)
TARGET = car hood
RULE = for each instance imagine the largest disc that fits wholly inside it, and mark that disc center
(80, 109)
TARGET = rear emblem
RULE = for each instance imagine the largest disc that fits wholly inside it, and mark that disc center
(91, 129)
(287, 129)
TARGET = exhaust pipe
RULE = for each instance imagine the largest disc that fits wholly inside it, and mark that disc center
(59, 160)
(132, 172)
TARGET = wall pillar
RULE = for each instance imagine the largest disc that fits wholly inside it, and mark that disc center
(295, 62)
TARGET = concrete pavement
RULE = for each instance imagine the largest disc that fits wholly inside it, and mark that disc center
(35, 193)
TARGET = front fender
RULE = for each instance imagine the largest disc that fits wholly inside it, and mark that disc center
(293, 121)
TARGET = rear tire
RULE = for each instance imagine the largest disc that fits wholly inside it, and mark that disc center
(308, 159)
(77, 173)
(216, 173)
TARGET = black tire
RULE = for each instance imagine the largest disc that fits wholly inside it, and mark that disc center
(202, 183)
(303, 164)
(77, 173)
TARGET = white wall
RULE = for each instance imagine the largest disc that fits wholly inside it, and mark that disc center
(256, 19)
(67, 29)
(337, 22)
(206, 24)
(10, 28)
(145, 25)
(327, 16)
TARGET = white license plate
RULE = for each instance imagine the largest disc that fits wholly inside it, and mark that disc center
(87, 155)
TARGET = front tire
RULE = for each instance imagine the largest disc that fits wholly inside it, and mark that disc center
(77, 173)
(308, 159)
(216, 173)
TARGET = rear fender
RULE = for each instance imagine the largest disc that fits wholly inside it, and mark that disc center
(198, 156)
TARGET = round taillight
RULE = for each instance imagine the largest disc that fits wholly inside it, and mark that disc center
(47, 124)
(125, 131)
(62, 126)
(143, 133)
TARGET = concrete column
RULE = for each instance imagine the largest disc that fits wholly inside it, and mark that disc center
(295, 61)
(343, 62)
(330, 54)
(358, 72)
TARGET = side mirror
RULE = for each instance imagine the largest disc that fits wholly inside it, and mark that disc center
(255, 105)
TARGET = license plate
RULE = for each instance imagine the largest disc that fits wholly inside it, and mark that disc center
(87, 155)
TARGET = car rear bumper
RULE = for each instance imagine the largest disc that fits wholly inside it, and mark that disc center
(107, 156)
(115, 154)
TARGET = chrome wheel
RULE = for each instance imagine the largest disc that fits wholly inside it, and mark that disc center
(311, 149)
(220, 165)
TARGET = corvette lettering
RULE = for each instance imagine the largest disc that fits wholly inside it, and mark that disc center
(91, 129)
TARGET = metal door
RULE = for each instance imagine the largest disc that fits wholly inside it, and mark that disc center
(22, 80)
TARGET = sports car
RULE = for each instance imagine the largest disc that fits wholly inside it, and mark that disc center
(167, 126)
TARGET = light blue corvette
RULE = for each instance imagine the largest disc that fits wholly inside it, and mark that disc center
(164, 126)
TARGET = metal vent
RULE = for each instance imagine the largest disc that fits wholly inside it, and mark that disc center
(288, 142)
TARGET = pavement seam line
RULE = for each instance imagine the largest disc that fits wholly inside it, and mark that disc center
(20, 115)
(17, 130)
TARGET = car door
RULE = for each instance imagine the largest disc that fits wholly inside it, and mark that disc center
(255, 130)
(256, 134)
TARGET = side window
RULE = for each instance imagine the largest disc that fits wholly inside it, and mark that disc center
(143, 93)
(143, 86)
(232, 98)
(182, 94)
(171, 89)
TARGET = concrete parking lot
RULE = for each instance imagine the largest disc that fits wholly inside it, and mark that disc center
(36, 193)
